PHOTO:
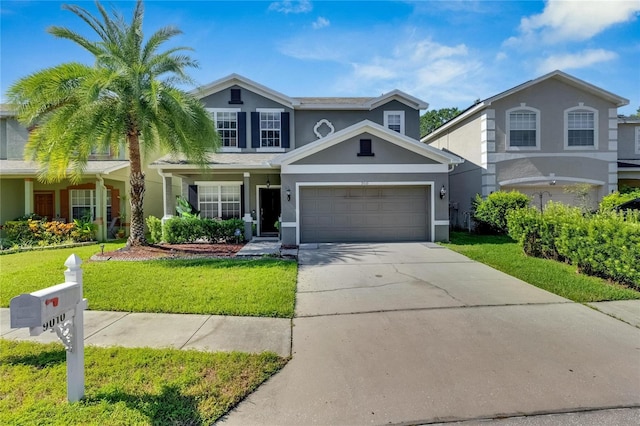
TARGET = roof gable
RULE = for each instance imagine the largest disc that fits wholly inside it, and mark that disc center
(238, 80)
(370, 127)
(557, 74)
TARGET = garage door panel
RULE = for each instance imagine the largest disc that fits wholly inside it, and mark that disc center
(361, 214)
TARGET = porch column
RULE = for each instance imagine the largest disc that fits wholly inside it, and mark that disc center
(101, 209)
(248, 220)
(167, 195)
(28, 196)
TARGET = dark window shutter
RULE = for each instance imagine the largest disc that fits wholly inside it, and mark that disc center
(242, 130)
(193, 197)
(284, 122)
(242, 210)
(255, 129)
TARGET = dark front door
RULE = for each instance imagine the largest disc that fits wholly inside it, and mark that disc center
(269, 210)
(43, 204)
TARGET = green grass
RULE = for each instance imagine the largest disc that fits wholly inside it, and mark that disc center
(502, 253)
(126, 386)
(261, 287)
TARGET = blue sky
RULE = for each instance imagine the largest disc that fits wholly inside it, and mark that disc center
(448, 53)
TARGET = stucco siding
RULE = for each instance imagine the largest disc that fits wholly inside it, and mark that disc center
(628, 143)
(552, 98)
(463, 140)
(465, 181)
(13, 139)
(12, 195)
(306, 120)
(347, 153)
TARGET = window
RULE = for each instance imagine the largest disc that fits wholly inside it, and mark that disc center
(366, 149)
(227, 126)
(581, 127)
(270, 126)
(394, 120)
(221, 201)
(101, 152)
(637, 140)
(523, 128)
(83, 203)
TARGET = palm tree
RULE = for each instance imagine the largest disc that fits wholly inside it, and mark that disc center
(128, 95)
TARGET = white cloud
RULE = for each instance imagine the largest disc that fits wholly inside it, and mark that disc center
(289, 6)
(574, 20)
(320, 23)
(583, 59)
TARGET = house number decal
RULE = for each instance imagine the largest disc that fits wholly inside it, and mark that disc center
(316, 128)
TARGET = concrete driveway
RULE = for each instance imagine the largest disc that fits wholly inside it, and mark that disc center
(415, 333)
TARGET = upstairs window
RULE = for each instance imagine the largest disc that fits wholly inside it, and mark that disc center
(637, 140)
(394, 120)
(270, 127)
(581, 127)
(523, 128)
(227, 126)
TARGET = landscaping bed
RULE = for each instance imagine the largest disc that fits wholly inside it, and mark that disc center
(170, 251)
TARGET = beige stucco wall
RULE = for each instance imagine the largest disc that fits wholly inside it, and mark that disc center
(463, 139)
(627, 142)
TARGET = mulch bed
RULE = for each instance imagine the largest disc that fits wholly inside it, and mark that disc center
(171, 251)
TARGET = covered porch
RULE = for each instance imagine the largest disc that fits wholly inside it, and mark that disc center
(244, 186)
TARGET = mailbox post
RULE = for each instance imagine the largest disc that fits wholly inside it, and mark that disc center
(59, 308)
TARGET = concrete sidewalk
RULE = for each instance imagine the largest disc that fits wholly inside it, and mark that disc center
(202, 332)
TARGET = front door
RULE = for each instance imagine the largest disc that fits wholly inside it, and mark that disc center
(43, 204)
(269, 211)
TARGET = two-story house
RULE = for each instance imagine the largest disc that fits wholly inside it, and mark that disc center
(541, 138)
(320, 169)
(99, 195)
(629, 151)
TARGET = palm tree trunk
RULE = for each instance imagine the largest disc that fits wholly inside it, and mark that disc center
(136, 194)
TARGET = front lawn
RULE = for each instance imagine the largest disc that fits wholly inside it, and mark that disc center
(260, 287)
(126, 386)
(502, 253)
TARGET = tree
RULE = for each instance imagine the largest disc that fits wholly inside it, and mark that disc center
(435, 118)
(128, 95)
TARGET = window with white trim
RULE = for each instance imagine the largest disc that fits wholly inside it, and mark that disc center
(270, 129)
(83, 203)
(227, 125)
(581, 127)
(219, 201)
(394, 120)
(522, 128)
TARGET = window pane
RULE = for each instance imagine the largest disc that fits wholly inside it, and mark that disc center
(522, 138)
(522, 125)
(270, 129)
(581, 128)
(227, 125)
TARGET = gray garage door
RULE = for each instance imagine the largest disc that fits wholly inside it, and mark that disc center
(364, 214)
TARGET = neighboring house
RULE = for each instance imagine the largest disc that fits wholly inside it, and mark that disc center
(106, 179)
(629, 151)
(320, 169)
(541, 138)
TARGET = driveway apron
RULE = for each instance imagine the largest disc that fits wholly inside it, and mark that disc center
(415, 333)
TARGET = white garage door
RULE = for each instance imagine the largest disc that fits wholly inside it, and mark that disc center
(364, 214)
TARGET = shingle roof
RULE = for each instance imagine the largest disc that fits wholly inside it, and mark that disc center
(229, 159)
(20, 167)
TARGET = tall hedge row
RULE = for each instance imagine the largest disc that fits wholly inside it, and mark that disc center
(605, 244)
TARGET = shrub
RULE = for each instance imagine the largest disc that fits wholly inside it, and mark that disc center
(179, 230)
(613, 200)
(606, 244)
(31, 232)
(155, 229)
(491, 213)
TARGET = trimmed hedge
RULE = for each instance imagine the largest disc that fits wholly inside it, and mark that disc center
(178, 230)
(491, 213)
(606, 244)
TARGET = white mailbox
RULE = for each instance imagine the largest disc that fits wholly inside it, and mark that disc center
(59, 308)
(44, 309)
